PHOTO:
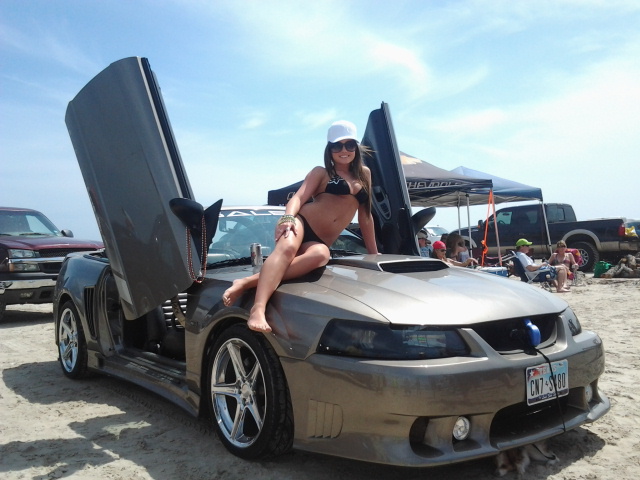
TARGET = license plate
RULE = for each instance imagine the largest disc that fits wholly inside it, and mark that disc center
(540, 386)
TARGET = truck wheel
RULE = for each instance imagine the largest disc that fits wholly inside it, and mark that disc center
(590, 255)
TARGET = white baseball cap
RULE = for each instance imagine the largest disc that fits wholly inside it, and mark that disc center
(342, 130)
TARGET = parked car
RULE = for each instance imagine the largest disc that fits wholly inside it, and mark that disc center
(435, 232)
(352, 368)
(31, 252)
(600, 239)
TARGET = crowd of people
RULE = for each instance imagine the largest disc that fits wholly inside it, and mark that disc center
(559, 269)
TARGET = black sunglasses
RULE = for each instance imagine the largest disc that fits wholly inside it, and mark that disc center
(350, 145)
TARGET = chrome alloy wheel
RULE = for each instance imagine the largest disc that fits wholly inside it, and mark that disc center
(238, 393)
(68, 339)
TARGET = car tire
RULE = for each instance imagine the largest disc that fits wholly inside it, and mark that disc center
(589, 253)
(72, 345)
(248, 395)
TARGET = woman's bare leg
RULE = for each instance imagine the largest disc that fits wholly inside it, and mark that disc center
(238, 287)
(562, 280)
(311, 257)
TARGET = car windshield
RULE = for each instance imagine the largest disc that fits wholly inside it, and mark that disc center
(26, 223)
(239, 228)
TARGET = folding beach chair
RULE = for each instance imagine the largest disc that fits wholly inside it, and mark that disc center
(576, 277)
(543, 278)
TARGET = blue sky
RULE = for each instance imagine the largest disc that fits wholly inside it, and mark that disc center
(546, 93)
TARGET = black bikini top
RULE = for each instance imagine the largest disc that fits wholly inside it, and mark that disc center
(339, 186)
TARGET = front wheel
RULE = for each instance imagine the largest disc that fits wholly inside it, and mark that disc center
(589, 253)
(249, 399)
(72, 346)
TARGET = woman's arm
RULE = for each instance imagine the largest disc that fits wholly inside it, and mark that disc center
(365, 221)
(305, 192)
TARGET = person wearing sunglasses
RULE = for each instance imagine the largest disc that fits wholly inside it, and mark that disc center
(440, 252)
(304, 233)
(563, 258)
(457, 250)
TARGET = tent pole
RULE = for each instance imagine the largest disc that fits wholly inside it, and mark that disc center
(495, 224)
(546, 224)
(485, 248)
(469, 225)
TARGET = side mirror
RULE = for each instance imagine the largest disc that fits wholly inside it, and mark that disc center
(66, 233)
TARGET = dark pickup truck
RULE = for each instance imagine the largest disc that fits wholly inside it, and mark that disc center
(31, 253)
(600, 239)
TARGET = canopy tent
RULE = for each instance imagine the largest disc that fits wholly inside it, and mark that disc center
(503, 190)
(431, 186)
(427, 184)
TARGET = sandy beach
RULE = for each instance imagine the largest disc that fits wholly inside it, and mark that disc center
(52, 427)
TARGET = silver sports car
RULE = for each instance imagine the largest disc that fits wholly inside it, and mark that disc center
(354, 366)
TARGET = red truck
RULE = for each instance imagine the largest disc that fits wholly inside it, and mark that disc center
(32, 249)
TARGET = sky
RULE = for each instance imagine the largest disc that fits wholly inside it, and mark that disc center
(546, 93)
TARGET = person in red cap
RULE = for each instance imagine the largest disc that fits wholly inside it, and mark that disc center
(304, 233)
(440, 252)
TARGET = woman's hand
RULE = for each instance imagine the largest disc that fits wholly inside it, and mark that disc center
(285, 229)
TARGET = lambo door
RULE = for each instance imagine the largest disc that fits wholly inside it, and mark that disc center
(391, 204)
(132, 169)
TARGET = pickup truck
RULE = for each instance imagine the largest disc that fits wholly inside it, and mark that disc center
(31, 253)
(601, 239)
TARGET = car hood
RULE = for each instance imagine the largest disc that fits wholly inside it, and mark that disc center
(398, 287)
(46, 242)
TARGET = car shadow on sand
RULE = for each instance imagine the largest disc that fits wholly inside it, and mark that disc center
(127, 422)
(18, 318)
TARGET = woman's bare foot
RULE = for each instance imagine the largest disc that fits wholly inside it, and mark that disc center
(563, 290)
(258, 322)
(232, 293)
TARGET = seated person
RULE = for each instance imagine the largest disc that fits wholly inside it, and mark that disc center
(562, 257)
(533, 271)
(457, 250)
(440, 252)
(424, 243)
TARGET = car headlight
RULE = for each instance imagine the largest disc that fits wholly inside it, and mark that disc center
(19, 253)
(572, 320)
(390, 342)
(24, 267)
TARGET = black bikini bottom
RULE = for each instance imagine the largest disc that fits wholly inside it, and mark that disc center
(309, 234)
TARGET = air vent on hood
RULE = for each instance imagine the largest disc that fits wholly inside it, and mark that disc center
(402, 265)
(413, 266)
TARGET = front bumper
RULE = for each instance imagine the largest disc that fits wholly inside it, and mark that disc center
(403, 413)
(23, 289)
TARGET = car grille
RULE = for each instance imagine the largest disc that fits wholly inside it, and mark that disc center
(51, 267)
(520, 421)
(59, 252)
(506, 336)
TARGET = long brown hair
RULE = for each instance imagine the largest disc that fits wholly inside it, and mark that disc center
(355, 167)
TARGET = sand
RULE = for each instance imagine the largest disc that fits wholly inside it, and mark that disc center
(102, 428)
